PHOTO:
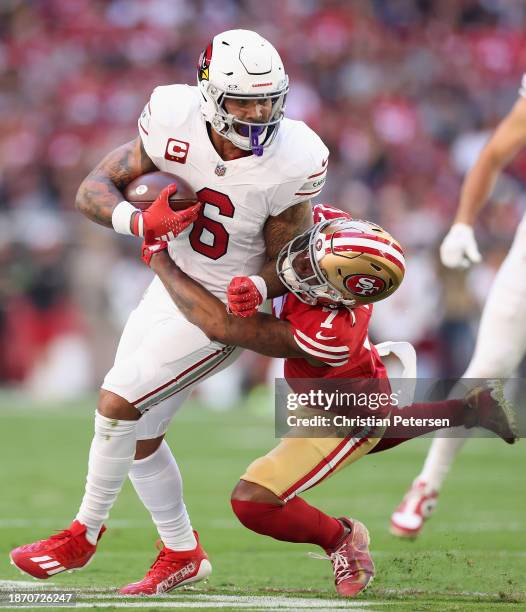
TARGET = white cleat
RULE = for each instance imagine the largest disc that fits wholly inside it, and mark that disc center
(419, 503)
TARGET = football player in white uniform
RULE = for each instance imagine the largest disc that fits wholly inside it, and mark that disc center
(501, 339)
(255, 173)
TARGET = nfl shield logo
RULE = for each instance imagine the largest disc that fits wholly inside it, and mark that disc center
(220, 169)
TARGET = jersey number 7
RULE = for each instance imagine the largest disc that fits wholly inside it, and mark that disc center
(220, 236)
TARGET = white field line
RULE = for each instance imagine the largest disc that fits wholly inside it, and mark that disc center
(189, 591)
(185, 605)
(341, 603)
(220, 601)
(186, 594)
(5, 584)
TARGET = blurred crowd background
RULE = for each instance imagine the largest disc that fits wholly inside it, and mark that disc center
(403, 92)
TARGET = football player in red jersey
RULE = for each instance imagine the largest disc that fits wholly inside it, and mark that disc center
(334, 271)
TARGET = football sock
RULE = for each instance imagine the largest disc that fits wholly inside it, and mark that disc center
(296, 521)
(158, 483)
(110, 457)
(396, 434)
(441, 456)
(444, 450)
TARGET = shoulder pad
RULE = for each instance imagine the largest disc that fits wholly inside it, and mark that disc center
(301, 149)
(171, 105)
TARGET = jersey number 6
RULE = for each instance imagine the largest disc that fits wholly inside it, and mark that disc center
(220, 237)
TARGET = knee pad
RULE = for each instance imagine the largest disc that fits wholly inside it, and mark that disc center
(262, 471)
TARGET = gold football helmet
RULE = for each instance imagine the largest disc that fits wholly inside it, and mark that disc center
(342, 262)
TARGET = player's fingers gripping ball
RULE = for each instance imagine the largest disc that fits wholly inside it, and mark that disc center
(176, 222)
(149, 250)
(245, 294)
(158, 206)
(152, 219)
(163, 223)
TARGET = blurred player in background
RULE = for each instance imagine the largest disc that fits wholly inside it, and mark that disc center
(501, 339)
(254, 173)
(334, 272)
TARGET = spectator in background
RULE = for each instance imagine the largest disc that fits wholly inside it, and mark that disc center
(401, 92)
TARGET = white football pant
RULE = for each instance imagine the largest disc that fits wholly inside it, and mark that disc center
(160, 358)
(500, 347)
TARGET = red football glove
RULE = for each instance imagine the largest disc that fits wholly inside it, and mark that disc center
(160, 222)
(149, 250)
(245, 294)
(324, 212)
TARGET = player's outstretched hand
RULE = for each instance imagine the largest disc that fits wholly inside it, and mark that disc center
(160, 222)
(149, 250)
(245, 294)
(459, 247)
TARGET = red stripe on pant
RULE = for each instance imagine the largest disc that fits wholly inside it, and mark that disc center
(322, 464)
(214, 366)
(178, 377)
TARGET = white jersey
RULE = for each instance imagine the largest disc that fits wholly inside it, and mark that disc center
(238, 196)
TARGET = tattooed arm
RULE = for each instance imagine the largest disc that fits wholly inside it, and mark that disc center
(278, 231)
(101, 190)
(261, 333)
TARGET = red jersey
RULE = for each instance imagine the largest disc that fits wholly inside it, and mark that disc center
(338, 337)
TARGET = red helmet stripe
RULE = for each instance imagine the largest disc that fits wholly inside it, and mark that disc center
(369, 250)
(374, 237)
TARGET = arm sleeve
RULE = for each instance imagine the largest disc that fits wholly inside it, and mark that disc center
(522, 88)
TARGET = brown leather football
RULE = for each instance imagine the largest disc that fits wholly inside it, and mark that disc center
(142, 191)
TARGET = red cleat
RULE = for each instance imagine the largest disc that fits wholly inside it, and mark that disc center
(407, 521)
(491, 410)
(170, 570)
(65, 551)
(351, 561)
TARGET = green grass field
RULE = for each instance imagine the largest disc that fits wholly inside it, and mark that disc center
(471, 556)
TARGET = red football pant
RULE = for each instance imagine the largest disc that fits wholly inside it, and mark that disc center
(298, 521)
(454, 410)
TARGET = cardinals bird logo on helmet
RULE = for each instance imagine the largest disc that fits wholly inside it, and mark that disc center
(204, 63)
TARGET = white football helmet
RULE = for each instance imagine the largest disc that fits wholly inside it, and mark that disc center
(342, 262)
(242, 64)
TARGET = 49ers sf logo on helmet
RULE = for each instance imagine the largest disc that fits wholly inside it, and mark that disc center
(364, 285)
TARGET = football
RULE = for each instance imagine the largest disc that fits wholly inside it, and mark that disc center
(142, 191)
